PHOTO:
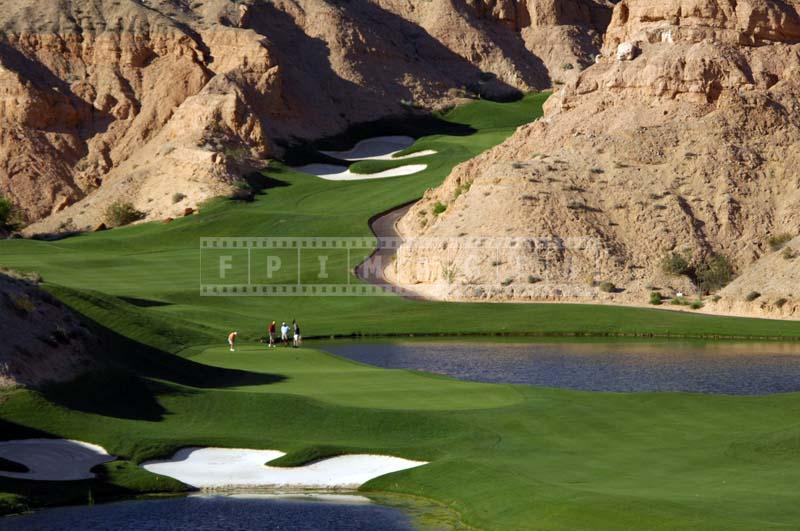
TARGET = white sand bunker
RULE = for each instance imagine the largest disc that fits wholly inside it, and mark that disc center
(331, 172)
(380, 148)
(232, 467)
(53, 459)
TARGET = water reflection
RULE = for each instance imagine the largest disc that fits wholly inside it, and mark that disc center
(212, 513)
(627, 366)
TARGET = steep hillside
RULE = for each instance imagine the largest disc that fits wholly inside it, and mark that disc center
(43, 341)
(143, 100)
(682, 138)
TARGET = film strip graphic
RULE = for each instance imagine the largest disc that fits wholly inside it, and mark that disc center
(346, 266)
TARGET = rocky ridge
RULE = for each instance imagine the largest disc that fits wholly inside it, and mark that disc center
(682, 138)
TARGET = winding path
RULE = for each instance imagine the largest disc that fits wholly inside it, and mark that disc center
(384, 225)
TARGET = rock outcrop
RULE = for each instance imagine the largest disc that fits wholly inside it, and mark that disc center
(688, 145)
(43, 341)
(142, 100)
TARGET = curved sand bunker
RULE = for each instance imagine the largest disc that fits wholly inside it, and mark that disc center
(379, 148)
(331, 172)
(235, 467)
(53, 459)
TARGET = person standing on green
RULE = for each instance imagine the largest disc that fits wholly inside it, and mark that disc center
(298, 339)
(271, 334)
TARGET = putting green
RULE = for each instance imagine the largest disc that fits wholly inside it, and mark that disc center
(505, 457)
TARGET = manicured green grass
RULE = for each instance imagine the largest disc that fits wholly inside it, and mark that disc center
(505, 457)
(538, 459)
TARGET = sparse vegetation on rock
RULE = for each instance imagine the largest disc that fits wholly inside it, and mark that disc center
(777, 242)
(675, 264)
(121, 213)
(607, 287)
(753, 295)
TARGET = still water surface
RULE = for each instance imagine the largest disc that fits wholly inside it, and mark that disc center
(217, 513)
(739, 368)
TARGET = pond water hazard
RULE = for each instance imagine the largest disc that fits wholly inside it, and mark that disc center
(737, 368)
(217, 512)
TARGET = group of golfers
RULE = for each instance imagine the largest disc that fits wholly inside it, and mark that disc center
(290, 335)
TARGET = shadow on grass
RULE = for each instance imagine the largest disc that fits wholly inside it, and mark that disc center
(411, 124)
(122, 384)
(143, 303)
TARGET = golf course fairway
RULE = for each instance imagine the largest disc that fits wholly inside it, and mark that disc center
(500, 456)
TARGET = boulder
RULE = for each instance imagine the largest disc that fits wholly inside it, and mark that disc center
(627, 51)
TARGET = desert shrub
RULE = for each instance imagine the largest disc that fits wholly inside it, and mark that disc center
(23, 304)
(679, 301)
(242, 191)
(507, 282)
(655, 298)
(567, 66)
(5, 211)
(713, 273)
(517, 165)
(788, 253)
(753, 295)
(533, 279)
(778, 241)
(607, 287)
(11, 217)
(121, 213)
(780, 303)
(496, 263)
(716, 298)
(177, 197)
(696, 305)
(449, 272)
(439, 208)
(675, 264)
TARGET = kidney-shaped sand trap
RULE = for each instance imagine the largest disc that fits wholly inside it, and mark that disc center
(380, 148)
(53, 459)
(332, 172)
(233, 467)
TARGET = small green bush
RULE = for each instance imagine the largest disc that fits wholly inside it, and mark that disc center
(121, 213)
(780, 303)
(5, 211)
(696, 305)
(788, 253)
(507, 282)
(177, 197)
(779, 240)
(656, 299)
(438, 208)
(753, 295)
(607, 287)
(675, 264)
(533, 279)
(713, 273)
(679, 301)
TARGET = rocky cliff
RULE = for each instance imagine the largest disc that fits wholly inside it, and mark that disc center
(140, 100)
(681, 139)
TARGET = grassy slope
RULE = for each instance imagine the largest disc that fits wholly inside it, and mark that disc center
(505, 456)
(522, 458)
